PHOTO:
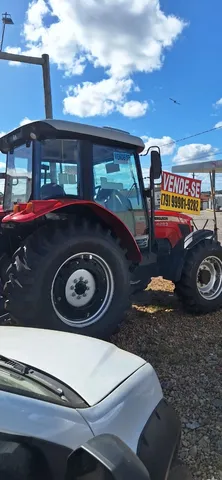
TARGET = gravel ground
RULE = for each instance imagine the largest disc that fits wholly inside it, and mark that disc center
(186, 352)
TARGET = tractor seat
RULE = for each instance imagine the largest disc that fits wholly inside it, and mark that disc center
(51, 190)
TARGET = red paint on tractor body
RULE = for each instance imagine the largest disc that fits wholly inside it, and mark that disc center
(169, 225)
(38, 208)
(172, 226)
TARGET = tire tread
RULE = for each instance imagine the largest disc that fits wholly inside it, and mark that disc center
(23, 272)
(184, 288)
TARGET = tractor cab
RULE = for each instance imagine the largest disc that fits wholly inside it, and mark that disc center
(71, 162)
(40, 170)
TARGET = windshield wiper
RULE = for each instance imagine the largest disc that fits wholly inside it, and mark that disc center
(28, 372)
(14, 365)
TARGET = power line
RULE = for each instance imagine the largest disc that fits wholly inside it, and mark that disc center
(173, 142)
(191, 136)
(197, 158)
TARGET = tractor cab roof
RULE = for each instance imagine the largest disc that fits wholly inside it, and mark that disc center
(44, 129)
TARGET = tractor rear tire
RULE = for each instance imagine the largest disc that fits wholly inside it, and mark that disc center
(69, 277)
(5, 259)
(200, 286)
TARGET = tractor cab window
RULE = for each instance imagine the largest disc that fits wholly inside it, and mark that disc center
(18, 181)
(117, 188)
(59, 168)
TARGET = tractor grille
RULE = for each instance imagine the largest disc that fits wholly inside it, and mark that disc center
(185, 229)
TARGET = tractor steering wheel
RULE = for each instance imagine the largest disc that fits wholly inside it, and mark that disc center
(115, 201)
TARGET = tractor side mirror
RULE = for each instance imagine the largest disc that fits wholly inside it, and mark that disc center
(156, 165)
(105, 457)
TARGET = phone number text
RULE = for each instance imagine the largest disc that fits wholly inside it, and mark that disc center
(183, 203)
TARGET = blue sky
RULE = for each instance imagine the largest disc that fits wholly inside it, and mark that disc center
(129, 52)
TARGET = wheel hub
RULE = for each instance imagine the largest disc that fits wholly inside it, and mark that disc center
(209, 278)
(80, 288)
(204, 276)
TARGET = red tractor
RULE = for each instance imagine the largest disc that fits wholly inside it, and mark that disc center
(78, 236)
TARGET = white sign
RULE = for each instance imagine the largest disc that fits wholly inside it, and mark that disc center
(121, 158)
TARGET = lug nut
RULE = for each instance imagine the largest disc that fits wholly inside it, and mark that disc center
(78, 298)
(73, 294)
(81, 279)
(87, 288)
(86, 281)
(84, 294)
(72, 288)
(75, 281)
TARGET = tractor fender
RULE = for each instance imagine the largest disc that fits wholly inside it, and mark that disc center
(173, 265)
(196, 237)
(39, 208)
(190, 241)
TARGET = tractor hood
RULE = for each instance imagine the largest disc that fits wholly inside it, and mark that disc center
(91, 367)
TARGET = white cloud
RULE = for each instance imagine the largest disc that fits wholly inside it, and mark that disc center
(133, 109)
(25, 121)
(218, 125)
(15, 51)
(102, 98)
(35, 15)
(106, 33)
(167, 147)
(218, 103)
(194, 152)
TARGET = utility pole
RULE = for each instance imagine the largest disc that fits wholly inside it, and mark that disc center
(6, 20)
(213, 197)
(44, 62)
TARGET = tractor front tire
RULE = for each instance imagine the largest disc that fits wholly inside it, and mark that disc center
(69, 277)
(200, 286)
(139, 287)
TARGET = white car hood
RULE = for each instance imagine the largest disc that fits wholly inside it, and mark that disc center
(91, 367)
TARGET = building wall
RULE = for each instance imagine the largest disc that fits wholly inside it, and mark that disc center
(204, 205)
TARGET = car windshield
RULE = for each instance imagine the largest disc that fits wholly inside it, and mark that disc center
(18, 181)
(15, 383)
